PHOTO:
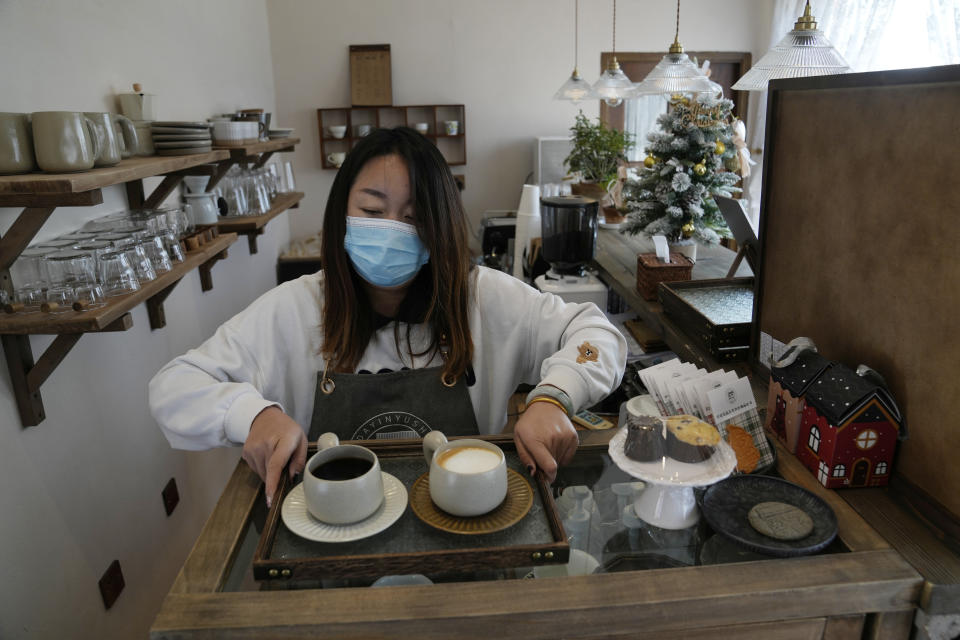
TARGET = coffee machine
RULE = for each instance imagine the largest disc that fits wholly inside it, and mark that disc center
(569, 239)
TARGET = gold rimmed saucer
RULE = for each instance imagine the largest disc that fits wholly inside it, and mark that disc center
(513, 508)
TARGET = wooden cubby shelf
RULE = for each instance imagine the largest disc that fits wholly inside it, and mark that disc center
(40, 194)
(252, 226)
(453, 147)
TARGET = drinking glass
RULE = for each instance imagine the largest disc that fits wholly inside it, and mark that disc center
(172, 244)
(88, 297)
(29, 271)
(142, 266)
(288, 175)
(78, 236)
(58, 299)
(155, 251)
(120, 240)
(117, 277)
(96, 248)
(56, 244)
(177, 219)
(70, 268)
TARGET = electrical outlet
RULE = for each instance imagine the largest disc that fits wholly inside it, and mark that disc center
(111, 584)
(171, 496)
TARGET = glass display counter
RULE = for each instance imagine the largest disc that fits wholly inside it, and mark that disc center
(624, 576)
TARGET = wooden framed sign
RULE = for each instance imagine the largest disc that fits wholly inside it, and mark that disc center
(370, 75)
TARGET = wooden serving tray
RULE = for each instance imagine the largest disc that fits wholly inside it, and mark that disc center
(410, 545)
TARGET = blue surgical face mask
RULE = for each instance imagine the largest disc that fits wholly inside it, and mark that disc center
(386, 253)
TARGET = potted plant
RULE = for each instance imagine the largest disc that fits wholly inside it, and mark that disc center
(597, 153)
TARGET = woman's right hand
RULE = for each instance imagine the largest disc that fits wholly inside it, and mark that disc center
(274, 439)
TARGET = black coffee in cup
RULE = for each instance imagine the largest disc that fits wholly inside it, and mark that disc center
(346, 468)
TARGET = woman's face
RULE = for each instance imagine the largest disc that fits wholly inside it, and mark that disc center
(382, 190)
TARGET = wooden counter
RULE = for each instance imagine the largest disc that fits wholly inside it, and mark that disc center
(869, 590)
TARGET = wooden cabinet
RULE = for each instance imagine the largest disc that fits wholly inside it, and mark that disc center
(453, 146)
(41, 193)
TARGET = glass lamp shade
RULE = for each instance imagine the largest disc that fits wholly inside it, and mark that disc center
(801, 53)
(676, 73)
(575, 89)
(614, 86)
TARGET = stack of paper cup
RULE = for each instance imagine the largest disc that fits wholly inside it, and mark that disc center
(528, 225)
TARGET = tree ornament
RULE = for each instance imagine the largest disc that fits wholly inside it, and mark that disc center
(700, 169)
(649, 162)
(688, 229)
(720, 148)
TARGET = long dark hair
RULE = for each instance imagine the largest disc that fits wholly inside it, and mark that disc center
(348, 319)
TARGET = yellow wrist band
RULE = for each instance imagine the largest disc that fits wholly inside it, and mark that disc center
(550, 400)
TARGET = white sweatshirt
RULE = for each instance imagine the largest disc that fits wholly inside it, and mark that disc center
(269, 354)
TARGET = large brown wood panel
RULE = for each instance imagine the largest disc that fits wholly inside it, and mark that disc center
(860, 245)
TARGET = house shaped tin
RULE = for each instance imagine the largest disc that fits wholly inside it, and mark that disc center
(788, 384)
(849, 430)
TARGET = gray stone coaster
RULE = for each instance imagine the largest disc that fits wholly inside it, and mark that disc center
(780, 521)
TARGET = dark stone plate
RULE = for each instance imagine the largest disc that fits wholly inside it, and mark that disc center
(726, 504)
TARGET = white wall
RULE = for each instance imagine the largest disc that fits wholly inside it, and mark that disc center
(502, 59)
(83, 487)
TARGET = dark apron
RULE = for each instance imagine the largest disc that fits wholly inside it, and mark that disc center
(399, 404)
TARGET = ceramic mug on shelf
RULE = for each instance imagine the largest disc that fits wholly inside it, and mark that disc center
(144, 138)
(342, 483)
(422, 127)
(363, 129)
(16, 144)
(467, 477)
(452, 127)
(337, 130)
(337, 158)
(65, 141)
(203, 208)
(114, 145)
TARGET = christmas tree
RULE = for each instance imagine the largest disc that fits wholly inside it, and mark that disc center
(690, 159)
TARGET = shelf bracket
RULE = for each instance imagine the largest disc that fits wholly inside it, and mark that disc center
(252, 239)
(263, 159)
(164, 189)
(27, 376)
(222, 169)
(206, 279)
(158, 318)
(24, 228)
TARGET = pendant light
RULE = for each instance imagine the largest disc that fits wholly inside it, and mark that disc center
(614, 86)
(676, 73)
(575, 88)
(803, 52)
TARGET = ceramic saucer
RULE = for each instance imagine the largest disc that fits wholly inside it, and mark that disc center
(180, 123)
(298, 519)
(181, 144)
(173, 137)
(178, 130)
(514, 507)
(668, 471)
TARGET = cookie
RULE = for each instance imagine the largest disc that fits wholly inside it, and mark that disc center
(780, 521)
(742, 444)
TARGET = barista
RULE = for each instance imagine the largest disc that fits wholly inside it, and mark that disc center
(397, 335)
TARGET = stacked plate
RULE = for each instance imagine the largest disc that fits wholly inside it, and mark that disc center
(273, 134)
(177, 138)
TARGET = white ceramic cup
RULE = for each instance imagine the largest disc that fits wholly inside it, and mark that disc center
(336, 159)
(203, 208)
(363, 129)
(422, 127)
(338, 131)
(451, 127)
(351, 498)
(465, 479)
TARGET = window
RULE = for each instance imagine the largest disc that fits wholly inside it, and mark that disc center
(839, 471)
(814, 440)
(866, 439)
(823, 473)
(880, 469)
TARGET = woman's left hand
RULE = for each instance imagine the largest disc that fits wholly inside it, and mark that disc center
(545, 438)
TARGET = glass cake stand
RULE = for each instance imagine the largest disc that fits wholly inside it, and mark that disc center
(668, 501)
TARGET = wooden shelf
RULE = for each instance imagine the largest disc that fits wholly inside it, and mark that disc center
(99, 319)
(252, 226)
(40, 194)
(127, 170)
(265, 146)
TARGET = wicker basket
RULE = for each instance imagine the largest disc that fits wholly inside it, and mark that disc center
(651, 272)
